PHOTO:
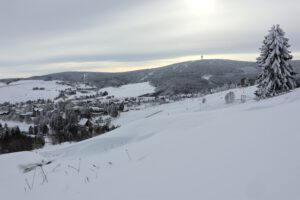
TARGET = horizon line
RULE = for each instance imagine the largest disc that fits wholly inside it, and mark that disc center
(116, 67)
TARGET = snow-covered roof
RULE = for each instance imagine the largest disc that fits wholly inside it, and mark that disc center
(97, 109)
(76, 107)
(38, 109)
(3, 113)
(83, 121)
(27, 114)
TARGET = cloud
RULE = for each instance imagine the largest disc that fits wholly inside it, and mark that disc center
(38, 37)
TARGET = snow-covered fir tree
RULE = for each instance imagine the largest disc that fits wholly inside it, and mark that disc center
(277, 74)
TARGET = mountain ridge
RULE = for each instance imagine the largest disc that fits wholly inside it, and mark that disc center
(183, 77)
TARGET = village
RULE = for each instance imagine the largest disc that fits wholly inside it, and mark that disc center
(79, 112)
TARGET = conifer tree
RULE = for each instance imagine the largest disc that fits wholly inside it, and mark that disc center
(277, 74)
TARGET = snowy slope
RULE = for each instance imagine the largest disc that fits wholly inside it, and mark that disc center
(130, 90)
(22, 90)
(186, 150)
(22, 126)
(214, 102)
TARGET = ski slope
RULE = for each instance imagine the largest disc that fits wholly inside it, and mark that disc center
(22, 90)
(130, 90)
(183, 150)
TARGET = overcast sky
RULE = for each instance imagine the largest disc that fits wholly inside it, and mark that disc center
(45, 36)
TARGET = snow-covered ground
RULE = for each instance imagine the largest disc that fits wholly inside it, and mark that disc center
(22, 90)
(2, 84)
(22, 126)
(130, 90)
(183, 150)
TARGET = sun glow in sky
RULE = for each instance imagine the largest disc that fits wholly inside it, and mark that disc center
(201, 7)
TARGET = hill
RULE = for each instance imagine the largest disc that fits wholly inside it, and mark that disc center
(187, 150)
(22, 90)
(186, 77)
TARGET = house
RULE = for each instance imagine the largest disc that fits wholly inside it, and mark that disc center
(38, 111)
(85, 122)
(77, 108)
(27, 114)
(70, 92)
(97, 109)
(4, 112)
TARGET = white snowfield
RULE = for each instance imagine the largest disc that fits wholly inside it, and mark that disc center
(22, 125)
(130, 90)
(22, 90)
(183, 150)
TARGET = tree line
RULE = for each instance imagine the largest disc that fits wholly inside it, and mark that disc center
(13, 140)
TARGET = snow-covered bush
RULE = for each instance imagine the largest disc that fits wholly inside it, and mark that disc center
(229, 97)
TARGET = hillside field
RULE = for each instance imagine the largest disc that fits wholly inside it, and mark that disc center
(181, 150)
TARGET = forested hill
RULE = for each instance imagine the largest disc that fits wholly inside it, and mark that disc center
(191, 76)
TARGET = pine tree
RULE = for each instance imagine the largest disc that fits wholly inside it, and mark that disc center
(277, 74)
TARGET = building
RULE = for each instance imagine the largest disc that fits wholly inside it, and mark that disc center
(84, 122)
